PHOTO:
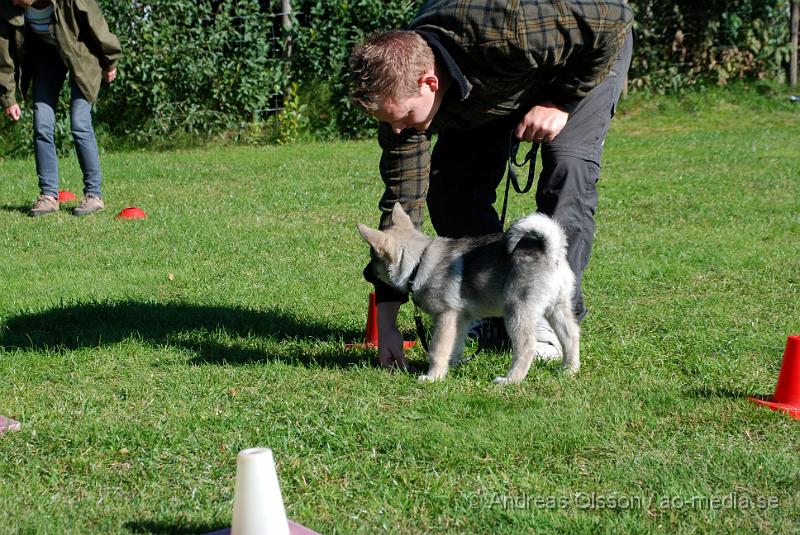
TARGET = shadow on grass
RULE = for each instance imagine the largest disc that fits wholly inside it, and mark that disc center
(165, 528)
(12, 208)
(213, 334)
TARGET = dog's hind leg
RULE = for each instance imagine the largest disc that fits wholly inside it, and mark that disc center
(443, 344)
(567, 331)
(520, 328)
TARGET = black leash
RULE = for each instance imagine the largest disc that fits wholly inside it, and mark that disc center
(511, 177)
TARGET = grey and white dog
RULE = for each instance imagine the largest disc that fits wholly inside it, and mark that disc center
(521, 275)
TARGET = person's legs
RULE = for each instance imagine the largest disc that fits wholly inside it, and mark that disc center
(571, 168)
(466, 168)
(48, 77)
(567, 193)
(85, 142)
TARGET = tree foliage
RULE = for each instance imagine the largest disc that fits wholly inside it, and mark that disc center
(210, 66)
(682, 43)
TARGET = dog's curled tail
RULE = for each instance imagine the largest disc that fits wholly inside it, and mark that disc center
(537, 232)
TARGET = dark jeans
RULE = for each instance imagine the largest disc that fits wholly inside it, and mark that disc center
(468, 165)
(49, 73)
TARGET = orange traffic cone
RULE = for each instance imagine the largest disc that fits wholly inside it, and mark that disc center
(66, 196)
(371, 334)
(787, 391)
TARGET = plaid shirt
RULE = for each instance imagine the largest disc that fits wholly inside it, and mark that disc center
(511, 55)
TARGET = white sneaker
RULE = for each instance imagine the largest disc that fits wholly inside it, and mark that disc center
(547, 344)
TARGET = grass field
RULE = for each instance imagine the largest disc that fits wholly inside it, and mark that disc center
(141, 356)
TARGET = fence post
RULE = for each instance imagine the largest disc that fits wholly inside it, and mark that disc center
(286, 23)
(793, 44)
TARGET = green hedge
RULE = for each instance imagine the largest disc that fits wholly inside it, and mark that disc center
(202, 67)
(685, 43)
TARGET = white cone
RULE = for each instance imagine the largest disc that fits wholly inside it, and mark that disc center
(257, 503)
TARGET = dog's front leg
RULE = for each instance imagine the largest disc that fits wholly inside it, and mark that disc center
(462, 326)
(443, 342)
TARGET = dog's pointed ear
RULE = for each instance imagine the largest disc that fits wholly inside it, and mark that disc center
(375, 238)
(400, 217)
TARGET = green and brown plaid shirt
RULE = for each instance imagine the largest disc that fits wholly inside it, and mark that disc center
(510, 54)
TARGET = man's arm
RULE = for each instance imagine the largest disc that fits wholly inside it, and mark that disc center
(597, 35)
(600, 29)
(404, 167)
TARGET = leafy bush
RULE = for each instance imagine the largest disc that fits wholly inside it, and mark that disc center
(682, 44)
(193, 66)
(208, 67)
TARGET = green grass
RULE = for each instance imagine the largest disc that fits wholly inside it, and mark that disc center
(141, 356)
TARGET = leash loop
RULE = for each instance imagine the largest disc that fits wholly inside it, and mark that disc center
(511, 177)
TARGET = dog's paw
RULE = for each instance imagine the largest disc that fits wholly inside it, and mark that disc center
(430, 377)
(505, 380)
(570, 371)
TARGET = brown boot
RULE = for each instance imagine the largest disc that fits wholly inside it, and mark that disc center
(89, 205)
(44, 204)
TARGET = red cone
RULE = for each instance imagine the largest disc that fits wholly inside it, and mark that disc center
(131, 213)
(787, 391)
(371, 334)
(66, 196)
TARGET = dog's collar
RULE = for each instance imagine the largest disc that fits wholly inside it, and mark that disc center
(413, 276)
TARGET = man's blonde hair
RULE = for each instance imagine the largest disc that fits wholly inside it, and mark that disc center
(388, 66)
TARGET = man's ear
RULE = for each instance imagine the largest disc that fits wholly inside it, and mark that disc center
(431, 80)
(400, 217)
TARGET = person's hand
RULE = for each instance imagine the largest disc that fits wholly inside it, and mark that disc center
(390, 340)
(109, 76)
(542, 124)
(13, 112)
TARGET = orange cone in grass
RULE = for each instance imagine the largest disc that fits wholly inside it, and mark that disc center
(371, 334)
(787, 391)
(132, 212)
(66, 196)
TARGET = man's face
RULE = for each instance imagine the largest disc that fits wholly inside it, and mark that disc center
(22, 3)
(413, 112)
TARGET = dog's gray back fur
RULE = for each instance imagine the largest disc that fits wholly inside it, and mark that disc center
(522, 275)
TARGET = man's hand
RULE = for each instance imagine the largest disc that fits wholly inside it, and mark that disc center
(390, 341)
(109, 76)
(542, 124)
(13, 112)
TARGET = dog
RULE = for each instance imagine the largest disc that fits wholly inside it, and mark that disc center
(521, 275)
